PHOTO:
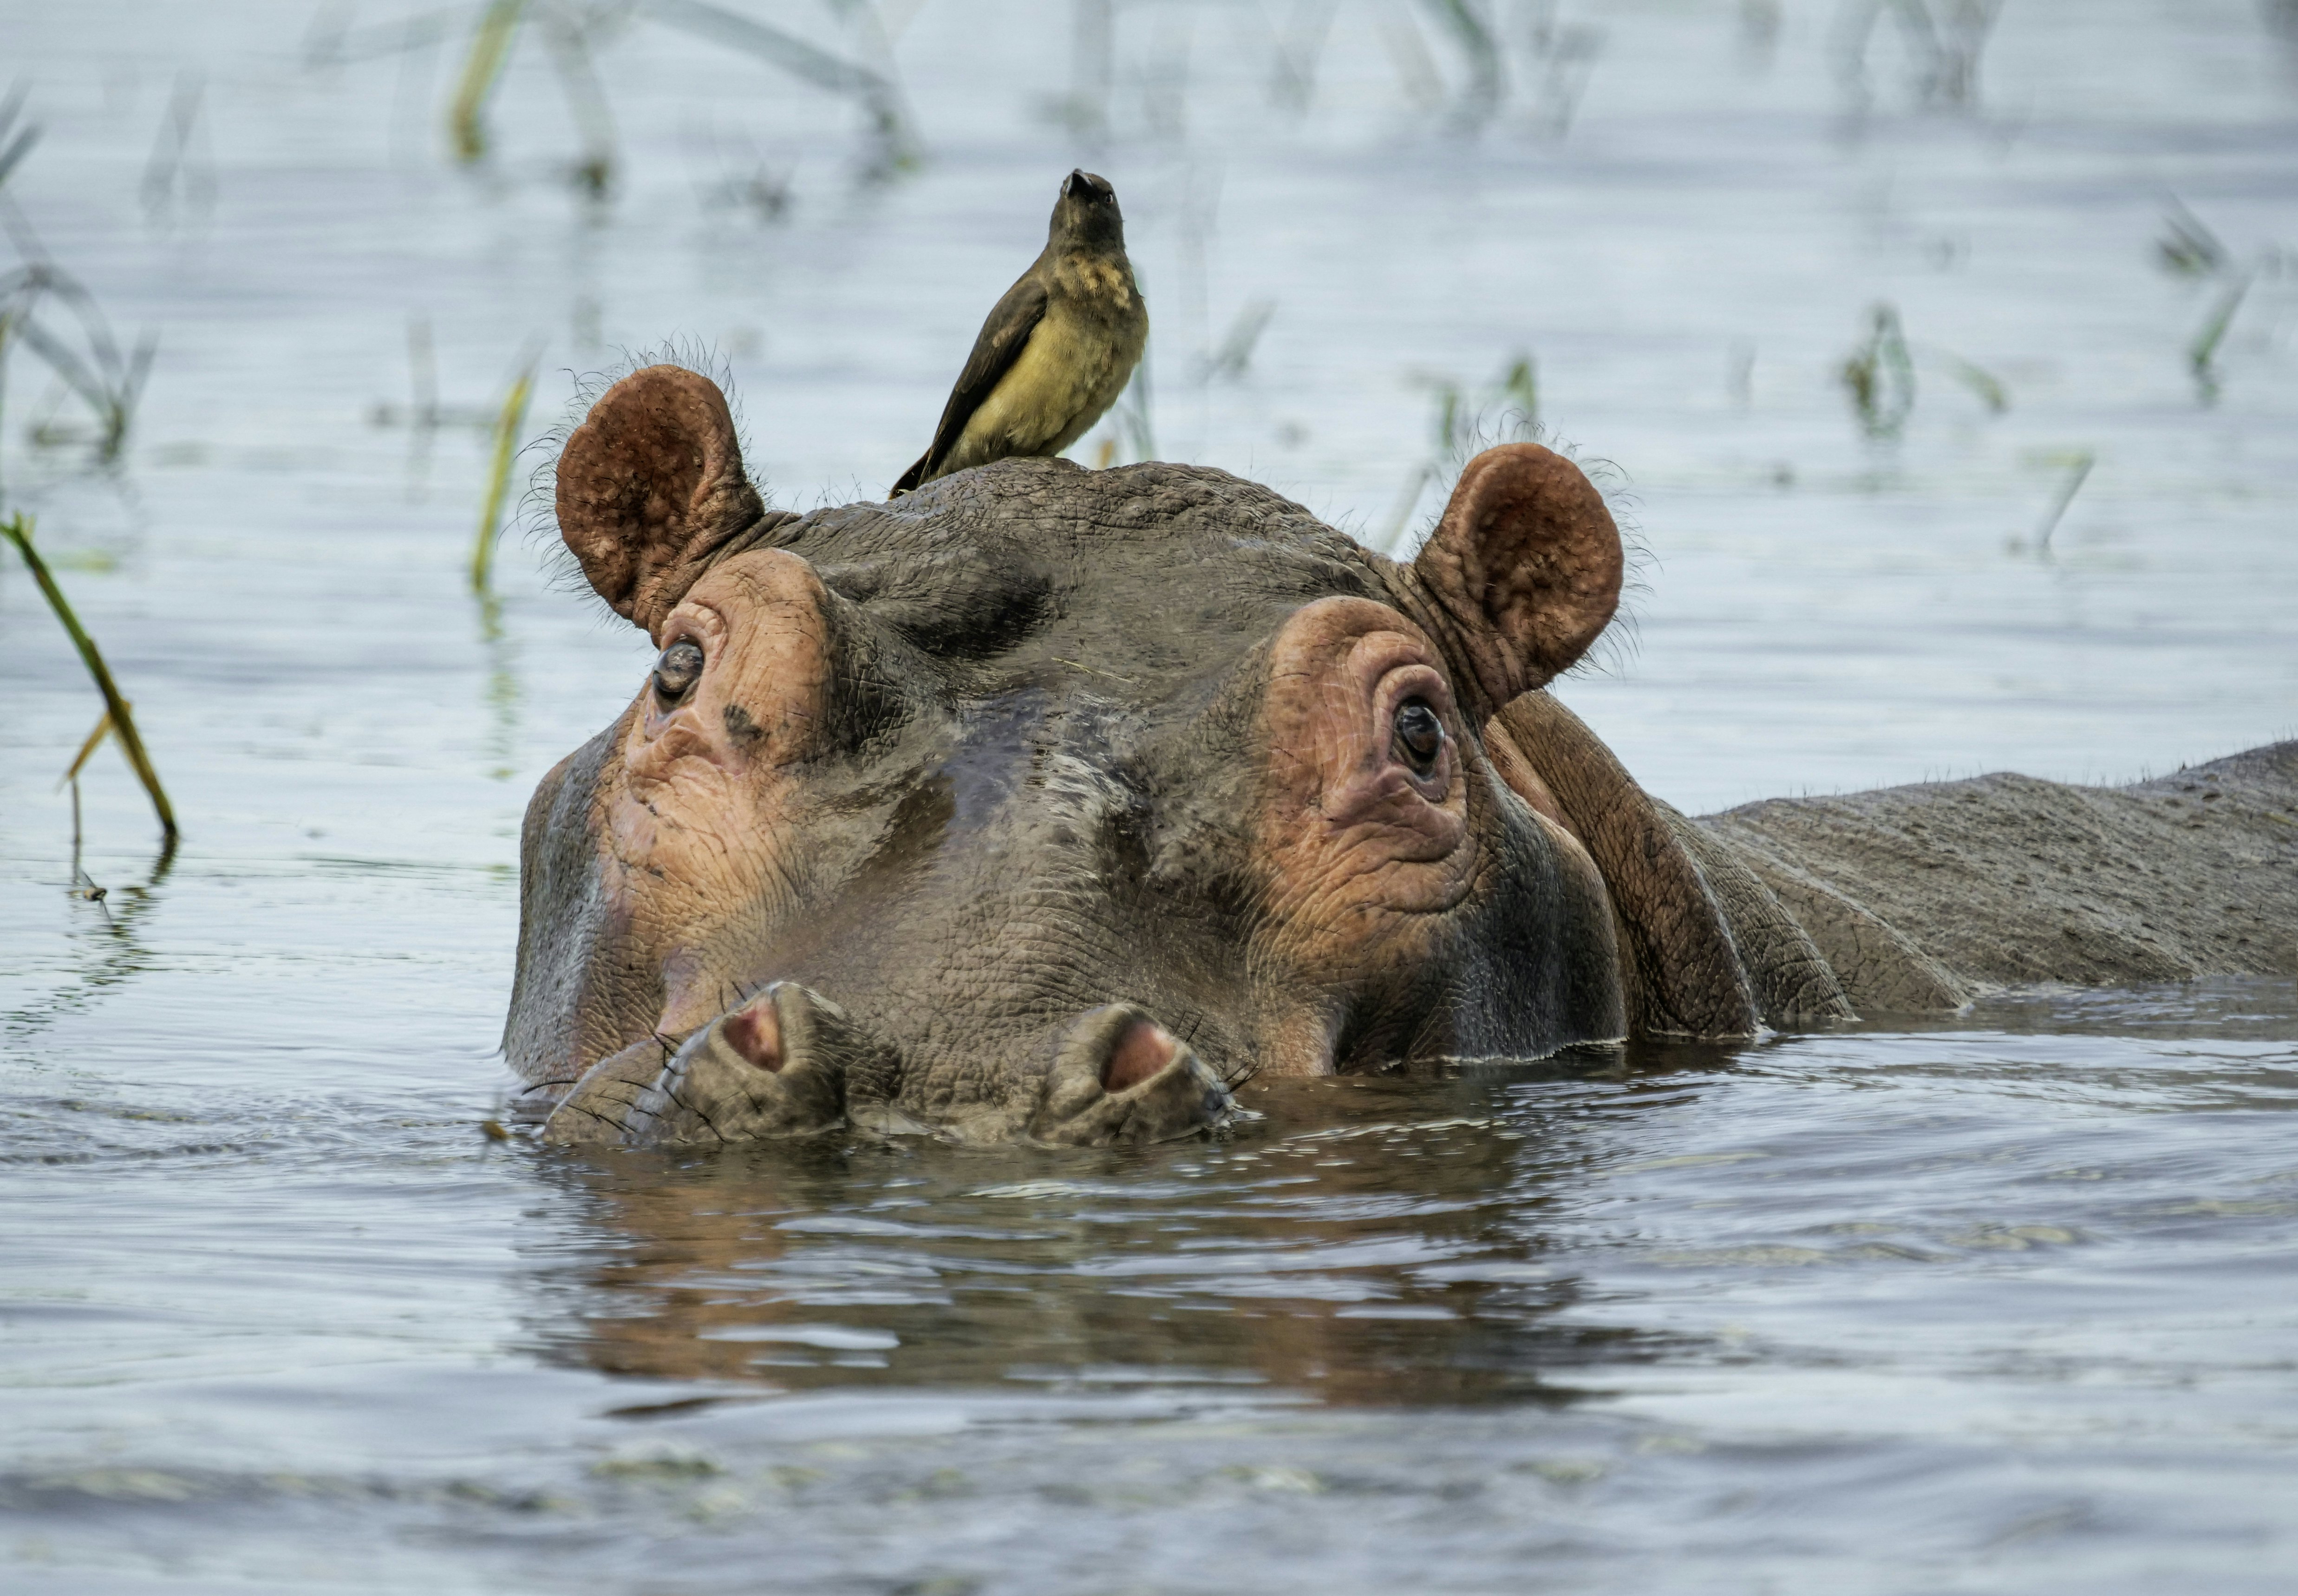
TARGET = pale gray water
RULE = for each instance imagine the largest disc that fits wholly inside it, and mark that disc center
(2006, 1305)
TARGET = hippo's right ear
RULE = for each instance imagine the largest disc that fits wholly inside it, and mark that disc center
(650, 486)
(1525, 567)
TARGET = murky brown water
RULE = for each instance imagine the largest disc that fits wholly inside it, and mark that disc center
(2003, 1305)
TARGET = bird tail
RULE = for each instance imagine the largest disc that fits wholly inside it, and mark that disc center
(914, 477)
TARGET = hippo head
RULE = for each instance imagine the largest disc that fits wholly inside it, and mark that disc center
(1046, 803)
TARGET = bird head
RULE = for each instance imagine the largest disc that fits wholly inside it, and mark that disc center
(1087, 213)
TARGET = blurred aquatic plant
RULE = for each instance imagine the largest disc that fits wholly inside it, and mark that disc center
(570, 31)
(118, 716)
(181, 168)
(491, 43)
(586, 101)
(1126, 430)
(1879, 376)
(1759, 32)
(509, 420)
(1465, 420)
(1230, 361)
(876, 92)
(1980, 380)
(1498, 52)
(1943, 41)
(82, 353)
(16, 141)
(744, 180)
(2203, 349)
(2079, 468)
(2189, 248)
(1470, 28)
(1297, 45)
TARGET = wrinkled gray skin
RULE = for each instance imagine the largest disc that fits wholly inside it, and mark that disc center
(1048, 805)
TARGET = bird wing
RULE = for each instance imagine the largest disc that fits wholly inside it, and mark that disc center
(999, 344)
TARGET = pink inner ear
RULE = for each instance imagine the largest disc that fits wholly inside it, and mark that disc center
(756, 1035)
(1145, 1048)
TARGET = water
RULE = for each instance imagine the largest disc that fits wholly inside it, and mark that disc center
(2006, 1305)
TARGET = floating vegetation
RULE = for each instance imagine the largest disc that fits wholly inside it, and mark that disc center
(119, 718)
(1879, 376)
(509, 420)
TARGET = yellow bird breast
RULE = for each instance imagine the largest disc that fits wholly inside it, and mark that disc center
(1066, 376)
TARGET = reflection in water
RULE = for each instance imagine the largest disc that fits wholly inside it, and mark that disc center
(502, 691)
(1374, 1242)
(104, 939)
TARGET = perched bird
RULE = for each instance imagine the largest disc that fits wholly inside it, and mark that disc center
(1056, 351)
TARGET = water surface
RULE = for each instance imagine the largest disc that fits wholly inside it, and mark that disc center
(2006, 1305)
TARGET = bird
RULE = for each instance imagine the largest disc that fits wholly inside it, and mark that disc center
(1055, 351)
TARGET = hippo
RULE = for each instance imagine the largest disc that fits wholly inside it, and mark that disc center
(1049, 804)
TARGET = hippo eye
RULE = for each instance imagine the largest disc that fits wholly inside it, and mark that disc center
(1419, 736)
(678, 670)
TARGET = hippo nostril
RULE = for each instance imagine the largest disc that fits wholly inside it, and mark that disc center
(756, 1034)
(1117, 1076)
(1143, 1049)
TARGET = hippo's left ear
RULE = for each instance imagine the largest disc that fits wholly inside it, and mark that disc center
(650, 487)
(1525, 567)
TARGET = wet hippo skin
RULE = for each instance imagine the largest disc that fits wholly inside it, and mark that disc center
(1046, 804)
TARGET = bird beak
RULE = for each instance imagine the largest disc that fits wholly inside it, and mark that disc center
(1078, 187)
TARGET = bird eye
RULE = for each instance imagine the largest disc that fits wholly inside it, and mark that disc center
(1419, 736)
(678, 670)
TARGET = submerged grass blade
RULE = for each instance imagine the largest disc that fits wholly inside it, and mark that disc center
(508, 423)
(19, 531)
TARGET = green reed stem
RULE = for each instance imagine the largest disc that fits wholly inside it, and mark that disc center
(508, 424)
(18, 531)
(489, 48)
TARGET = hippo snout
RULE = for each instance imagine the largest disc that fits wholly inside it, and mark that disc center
(790, 1063)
